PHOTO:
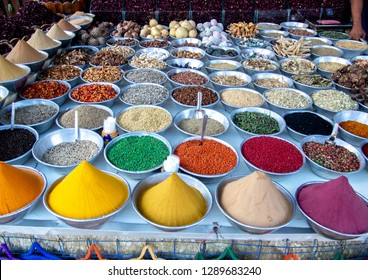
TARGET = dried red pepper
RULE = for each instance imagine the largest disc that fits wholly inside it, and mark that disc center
(44, 90)
(93, 93)
(365, 150)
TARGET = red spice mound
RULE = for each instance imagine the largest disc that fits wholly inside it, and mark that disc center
(335, 205)
(93, 93)
(272, 154)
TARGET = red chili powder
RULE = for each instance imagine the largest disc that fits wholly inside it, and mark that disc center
(272, 154)
(335, 205)
(365, 150)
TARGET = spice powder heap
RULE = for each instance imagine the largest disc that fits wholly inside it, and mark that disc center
(66, 25)
(87, 193)
(255, 200)
(354, 127)
(335, 205)
(9, 71)
(24, 53)
(172, 203)
(57, 33)
(19, 187)
(40, 41)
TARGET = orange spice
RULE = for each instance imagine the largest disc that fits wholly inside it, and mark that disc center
(354, 127)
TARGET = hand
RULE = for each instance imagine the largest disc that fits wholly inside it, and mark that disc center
(357, 32)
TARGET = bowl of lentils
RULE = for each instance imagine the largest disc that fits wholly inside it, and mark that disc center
(234, 98)
(225, 79)
(67, 73)
(108, 74)
(182, 77)
(144, 94)
(310, 83)
(153, 76)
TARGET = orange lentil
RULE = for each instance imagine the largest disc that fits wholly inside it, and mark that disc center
(354, 127)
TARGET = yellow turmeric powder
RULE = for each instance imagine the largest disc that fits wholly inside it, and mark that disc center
(354, 127)
(18, 187)
(172, 203)
(87, 193)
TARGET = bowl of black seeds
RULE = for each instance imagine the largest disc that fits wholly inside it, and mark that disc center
(16, 143)
(39, 114)
(300, 124)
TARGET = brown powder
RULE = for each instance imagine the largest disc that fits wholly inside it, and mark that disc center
(80, 21)
(24, 53)
(40, 41)
(57, 33)
(254, 200)
(10, 71)
(66, 25)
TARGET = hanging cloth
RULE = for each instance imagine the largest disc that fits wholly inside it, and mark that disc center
(228, 252)
(150, 251)
(32, 253)
(91, 248)
(9, 256)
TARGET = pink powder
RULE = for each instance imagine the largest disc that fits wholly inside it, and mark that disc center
(335, 205)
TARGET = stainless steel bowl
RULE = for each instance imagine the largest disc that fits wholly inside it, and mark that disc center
(122, 66)
(325, 34)
(362, 144)
(66, 42)
(184, 106)
(350, 53)
(309, 89)
(325, 172)
(246, 134)
(180, 70)
(107, 103)
(250, 228)
(280, 109)
(117, 82)
(59, 136)
(158, 178)
(72, 82)
(211, 57)
(4, 93)
(320, 229)
(251, 71)
(297, 135)
(279, 57)
(326, 47)
(191, 114)
(35, 66)
(269, 35)
(327, 74)
(149, 40)
(165, 54)
(111, 112)
(297, 37)
(20, 213)
(279, 77)
(86, 223)
(39, 127)
(252, 43)
(159, 72)
(92, 48)
(84, 25)
(132, 86)
(136, 175)
(189, 49)
(359, 57)
(184, 63)
(258, 52)
(324, 41)
(112, 42)
(155, 68)
(293, 24)
(342, 88)
(179, 42)
(22, 158)
(52, 51)
(202, 177)
(246, 78)
(357, 116)
(297, 60)
(236, 65)
(230, 107)
(268, 26)
(17, 84)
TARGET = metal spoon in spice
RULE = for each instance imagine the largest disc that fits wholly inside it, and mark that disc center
(76, 126)
(332, 138)
(12, 118)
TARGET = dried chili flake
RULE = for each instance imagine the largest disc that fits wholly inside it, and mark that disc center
(93, 93)
(44, 90)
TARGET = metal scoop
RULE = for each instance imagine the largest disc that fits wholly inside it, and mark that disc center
(76, 127)
(199, 112)
(332, 138)
(204, 126)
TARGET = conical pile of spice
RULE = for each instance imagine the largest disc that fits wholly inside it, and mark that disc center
(335, 205)
(255, 200)
(66, 25)
(87, 193)
(24, 53)
(172, 203)
(57, 33)
(9, 71)
(18, 187)
(40, 41)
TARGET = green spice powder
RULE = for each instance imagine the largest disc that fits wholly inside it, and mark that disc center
(138, 153)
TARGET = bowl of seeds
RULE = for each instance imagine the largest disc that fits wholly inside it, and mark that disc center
(225, 79)
(324, 50)
(318, 41)
(309, 83)
(265, 81)
(181, 77)
(351, 48)
(297, 33)
(67, 73)
(186, 96)
(327, 65)
(136, 76)
(267, 26)
(292, 66)
(155, 43)
(234, 98)
(255, 66)
(222, 65)
(144, 94)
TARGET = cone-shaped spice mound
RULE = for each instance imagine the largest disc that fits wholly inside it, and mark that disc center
(87, 193)
(18, 187)
(9, 71)
(172, 203)
(66, 25)
(24, 53)
(40, 41)
(335, 205)
(255, 200)
(57, 33)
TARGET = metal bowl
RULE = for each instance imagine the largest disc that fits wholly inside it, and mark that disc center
(107, 103)
(184, 63)
(149, 40)
(297, 135)
(144, 69)
(16, 84)
(236, 65)
(321, 41)
(202, 177)
(180, 42)
(53, 50)
(269, 35)
(237, 74)
(251, 71)
(112, 42)
(136, 175)
(230, 108)
(211, 57)
(41, 126)
(320, 229)
(20, 213)
(288, 73)
(158, 178)
(23, 158)
(342, 88)
(325, 34)
(117, 82)
(258, 52)
(143, 106)
(4, 93)
(246, 134)
(111, 112)
(66, 42)
(359, 57)
(280, 109)
(93, 49)
(350, 53)
(252, 43)
(72, 82)
(86, 223)
(58, 100)
(326, 47)
(180, 70)
(279, 77)
(327, 74)
(362, 144)
(165, 54)
(293, 24)
(184, 106)
(82, 26)
(357, 116)
(325, 172)
(250, 228)
(189, 49)
(253, 168)
(309, 89)
(191, 114)
(268, 26)
(297, 37)
(132, 86)
(122, 66)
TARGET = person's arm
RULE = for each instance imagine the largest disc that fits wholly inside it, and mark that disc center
(357, 31)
